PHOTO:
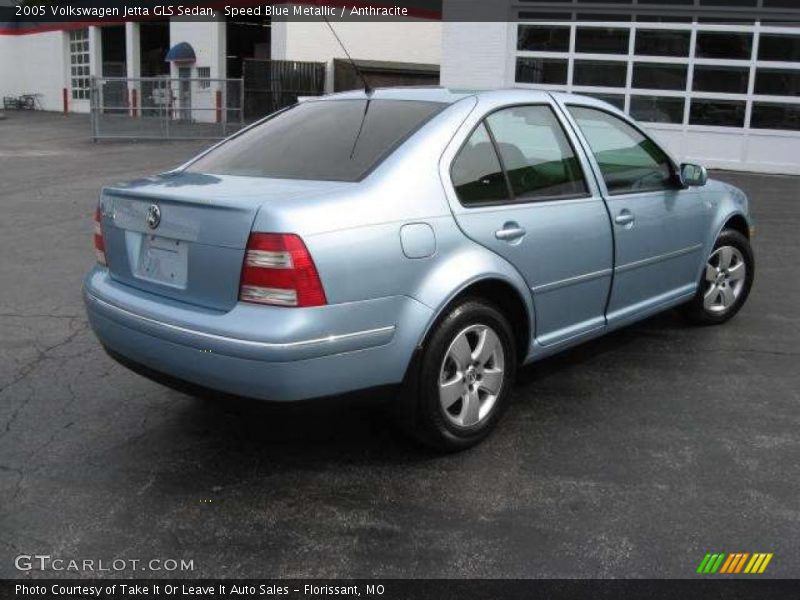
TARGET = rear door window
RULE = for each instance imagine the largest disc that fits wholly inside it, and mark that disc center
(535, 152)
(338, 140)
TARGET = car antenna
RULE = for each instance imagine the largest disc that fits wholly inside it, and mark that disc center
(367, 89)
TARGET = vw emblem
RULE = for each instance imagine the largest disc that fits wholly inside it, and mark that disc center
(153, 216)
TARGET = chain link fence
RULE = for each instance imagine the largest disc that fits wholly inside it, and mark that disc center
(166, 108)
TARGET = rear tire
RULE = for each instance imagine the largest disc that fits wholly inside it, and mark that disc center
(726, 281)
(460, 385)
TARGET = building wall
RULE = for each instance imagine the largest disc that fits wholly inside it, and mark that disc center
(39, 62)
(208, 41)
(474, 55)
(34, 64)
(415, 41)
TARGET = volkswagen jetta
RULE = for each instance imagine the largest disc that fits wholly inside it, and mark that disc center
(425, 238)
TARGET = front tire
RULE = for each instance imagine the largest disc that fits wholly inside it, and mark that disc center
(463, 378)
(726, 281)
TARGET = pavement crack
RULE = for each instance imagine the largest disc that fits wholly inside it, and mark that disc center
(20, 478)
(28, 369)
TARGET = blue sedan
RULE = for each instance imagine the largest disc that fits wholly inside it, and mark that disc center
(426, 240)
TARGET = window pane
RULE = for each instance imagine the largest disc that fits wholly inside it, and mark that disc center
(721, 113)
(600, 73)
(657, 109)
(655, 18)
(541, 70)
(776, 116)
(778, 82)
(655, 76)
(629, 161)
(536, 153)
(724, 45)
(543, 39)
(730, 80)
(663, 43)
(596, 40)
(339, 140)
(616, 100)
(779, 47)
(476, 173)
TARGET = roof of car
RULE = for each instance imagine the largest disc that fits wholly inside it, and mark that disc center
(429, 94)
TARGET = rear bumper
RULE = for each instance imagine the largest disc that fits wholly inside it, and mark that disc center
(261, 352)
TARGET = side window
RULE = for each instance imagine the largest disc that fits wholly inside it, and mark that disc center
(629, 161)
(540, 162)
(476, 173)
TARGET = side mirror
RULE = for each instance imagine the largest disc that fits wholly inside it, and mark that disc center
(693, 175)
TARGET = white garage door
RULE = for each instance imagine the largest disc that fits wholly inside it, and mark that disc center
(725, 95)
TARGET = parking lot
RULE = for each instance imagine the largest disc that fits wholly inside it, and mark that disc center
(631, 456)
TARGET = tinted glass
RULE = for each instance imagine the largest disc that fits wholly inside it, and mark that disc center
(541, 70)
(779, 47)
(657, 109)
(596, 40)
(655, 18)
(629, 161)
(663, 43)
(724, 45)
(476, 173)
(616, 100)
(776, 116)
(730, 80)
(604, 17)
(536, 154)
(655, 76)
(339, 140)
(600, 73)
(778, 82)
(543, 39)
(720, 113)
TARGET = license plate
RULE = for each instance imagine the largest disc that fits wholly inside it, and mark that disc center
(163, 260)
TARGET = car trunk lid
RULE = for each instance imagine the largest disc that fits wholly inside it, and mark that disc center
(183, 235)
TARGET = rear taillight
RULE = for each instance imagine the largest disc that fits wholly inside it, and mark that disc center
(278, 270)
(99, 243)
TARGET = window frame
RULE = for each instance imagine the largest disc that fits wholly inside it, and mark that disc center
(674, 168)
(513, 199)
(76, 39)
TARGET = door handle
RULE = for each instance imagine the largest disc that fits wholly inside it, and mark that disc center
(624, 218)
(510, 232)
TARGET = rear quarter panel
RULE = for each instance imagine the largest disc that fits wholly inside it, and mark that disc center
(354, 234)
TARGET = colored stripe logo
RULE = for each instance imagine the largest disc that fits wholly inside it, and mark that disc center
(734, 563)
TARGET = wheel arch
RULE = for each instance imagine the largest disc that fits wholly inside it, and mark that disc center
(737, 222)
(500, 292)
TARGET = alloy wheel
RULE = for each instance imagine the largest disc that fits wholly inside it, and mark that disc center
(725, 276)
(471, 375)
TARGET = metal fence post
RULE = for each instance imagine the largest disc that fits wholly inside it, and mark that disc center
(93, 100)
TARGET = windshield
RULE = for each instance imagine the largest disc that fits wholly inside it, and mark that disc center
(339, 140)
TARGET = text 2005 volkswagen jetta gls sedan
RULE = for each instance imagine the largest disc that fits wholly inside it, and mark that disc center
(423, 237)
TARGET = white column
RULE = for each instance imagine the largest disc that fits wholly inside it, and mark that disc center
(219, 48)
(133, 53)
(95, 51)
(133, 65)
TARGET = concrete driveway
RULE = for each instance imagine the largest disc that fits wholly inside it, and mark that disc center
(631, 456)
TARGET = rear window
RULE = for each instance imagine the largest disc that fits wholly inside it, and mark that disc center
(338, 140)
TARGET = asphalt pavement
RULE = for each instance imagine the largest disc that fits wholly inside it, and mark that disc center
(630, 456)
